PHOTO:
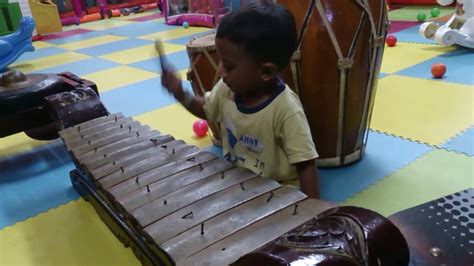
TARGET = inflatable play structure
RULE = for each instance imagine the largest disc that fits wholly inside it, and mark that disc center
(15, 44)
(459, 29)
(80, 11)
(70, 11)
(205, 13)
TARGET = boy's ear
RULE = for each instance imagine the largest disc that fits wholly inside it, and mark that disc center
(269, 71)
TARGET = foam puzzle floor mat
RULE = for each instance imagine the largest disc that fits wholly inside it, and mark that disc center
(420, 145)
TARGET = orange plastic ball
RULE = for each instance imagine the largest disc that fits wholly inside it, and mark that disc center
(438, 70)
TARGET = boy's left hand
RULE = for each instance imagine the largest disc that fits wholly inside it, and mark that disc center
(309, 178)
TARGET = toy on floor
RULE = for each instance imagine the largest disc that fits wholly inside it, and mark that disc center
(438, 70)
(421, 16)
(131, 10)
(391, 40)
(200, 128)
(458, 30)
(435, 12)
(17, 43)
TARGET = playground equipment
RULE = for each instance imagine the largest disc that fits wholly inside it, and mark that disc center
(46, 16)
(15, 44)
(459, 29)
(10, 15)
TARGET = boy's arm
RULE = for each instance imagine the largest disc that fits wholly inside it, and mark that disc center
(309, 178)
(173, 83)
(194, 104)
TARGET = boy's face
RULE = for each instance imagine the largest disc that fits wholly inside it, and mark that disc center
(239, 70)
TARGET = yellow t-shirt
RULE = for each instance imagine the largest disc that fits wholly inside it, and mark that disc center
(267, 139)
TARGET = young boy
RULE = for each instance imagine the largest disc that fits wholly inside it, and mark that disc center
(264, 127)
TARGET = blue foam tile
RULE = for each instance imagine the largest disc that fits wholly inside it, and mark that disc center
(141, 28)
(82, 67)
(384, 155)
(112, 47)
(184, 40)
(179, 59)
(216, 150)
(77, 37)
(412, 35)
(459, 65)
(383, 75)
(39, 53)
(34, 182)
(464, 143)
(139, 98)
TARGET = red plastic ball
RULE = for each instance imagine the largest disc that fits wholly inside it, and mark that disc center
(391, 40)
(438, 70)
(200, 128)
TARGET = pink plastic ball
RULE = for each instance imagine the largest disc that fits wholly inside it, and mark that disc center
(200, 128)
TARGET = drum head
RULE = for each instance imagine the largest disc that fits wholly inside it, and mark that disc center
(206, 42)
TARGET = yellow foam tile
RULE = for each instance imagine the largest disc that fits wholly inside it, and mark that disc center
(18, 143)
(173, 34)
(118, 76)
(91, 42)
(141, 53)
(423, 110)
(183, 74)
(405, 55)
(105, 24)
(434, 175)
(71, 234)
(49, 61)
(176, 121)
(41, 45)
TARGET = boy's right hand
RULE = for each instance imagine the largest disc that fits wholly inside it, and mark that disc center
(170, 79)
(173, 83)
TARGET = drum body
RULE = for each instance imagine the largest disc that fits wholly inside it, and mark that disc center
(204, 71)
(335, 71)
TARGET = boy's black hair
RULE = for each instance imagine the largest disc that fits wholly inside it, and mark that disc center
(267, 31)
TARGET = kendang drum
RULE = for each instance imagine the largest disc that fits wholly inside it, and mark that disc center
(204, 70)
(335, 72)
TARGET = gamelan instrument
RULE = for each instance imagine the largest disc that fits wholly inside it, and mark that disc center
(175, 204)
